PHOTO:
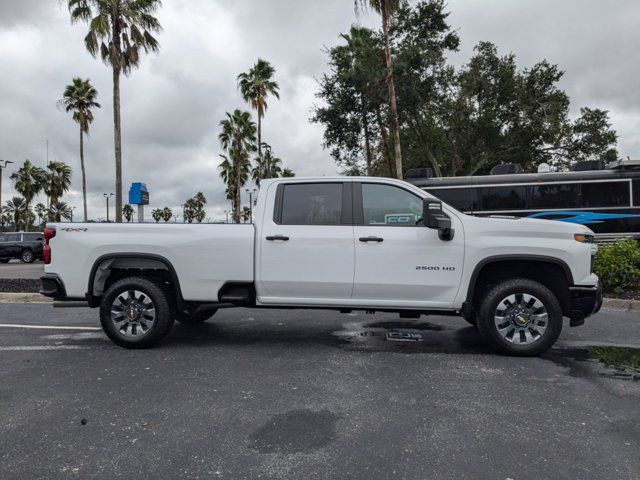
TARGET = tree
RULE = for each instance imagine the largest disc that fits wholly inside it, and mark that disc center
(267, 167)
(156, 214)
(246, 214)
(238, 138)
(118, 31)
(80, 98)
(166, 214)
(127, 212)
(29, 180)
(41, 212)
(287, 172)
(18, 210)
(60, 210)
(386, 9)
(57, 181)
(194, 208)
(255, 86)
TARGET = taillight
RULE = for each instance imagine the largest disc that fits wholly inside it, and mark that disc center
(49, 233)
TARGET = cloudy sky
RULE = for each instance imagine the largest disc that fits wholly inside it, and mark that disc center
(172, 105)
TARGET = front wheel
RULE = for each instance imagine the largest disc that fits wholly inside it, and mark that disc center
(520, 317)
(136, 312)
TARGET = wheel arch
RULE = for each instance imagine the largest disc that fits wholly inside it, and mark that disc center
(142, 263)
(552, 272)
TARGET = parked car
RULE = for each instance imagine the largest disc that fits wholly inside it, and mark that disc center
(25, 246)
(346, 243)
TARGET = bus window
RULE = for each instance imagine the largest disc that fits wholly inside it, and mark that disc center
(636, 192)
(503, 198)
(464, 199)
(605, 194)
(555, 195)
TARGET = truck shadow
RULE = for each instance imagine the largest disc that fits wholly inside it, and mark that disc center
(376, 335)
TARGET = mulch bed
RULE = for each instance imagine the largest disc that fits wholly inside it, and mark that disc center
(19, 285)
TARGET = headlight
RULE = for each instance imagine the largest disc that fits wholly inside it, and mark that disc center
(584, 238)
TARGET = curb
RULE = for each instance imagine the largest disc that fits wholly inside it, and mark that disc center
(23, 298)
(621, 304)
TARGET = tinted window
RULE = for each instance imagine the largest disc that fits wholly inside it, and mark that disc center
(32, 237)
(3, 238)
(503, 198)
(605, 194)
(464, 199)
(12, 237)
(388, 205)
(312, 204)
(555, 196)
(636, 192)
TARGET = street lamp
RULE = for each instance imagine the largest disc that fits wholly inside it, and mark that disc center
(72, 209)
(251, 193)
(2, 167)
(107, 196)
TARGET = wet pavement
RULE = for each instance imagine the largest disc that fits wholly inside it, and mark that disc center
(311, 394)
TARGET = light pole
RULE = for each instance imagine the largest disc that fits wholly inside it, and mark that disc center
(183, 217)
(2, 167)
(251, 193)
(72, 209)
(107, 196)
(226, 212)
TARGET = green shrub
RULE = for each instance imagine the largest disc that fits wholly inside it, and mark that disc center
(618, 265)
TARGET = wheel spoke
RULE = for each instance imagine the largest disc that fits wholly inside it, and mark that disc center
(133, 313)
(521, 318)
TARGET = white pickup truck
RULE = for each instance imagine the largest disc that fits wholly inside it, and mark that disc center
(353, 243)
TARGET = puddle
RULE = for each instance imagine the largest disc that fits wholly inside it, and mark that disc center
(297, 431)
(615, 362)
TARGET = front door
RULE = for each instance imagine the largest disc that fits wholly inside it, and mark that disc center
(306, 246)
(399, 261)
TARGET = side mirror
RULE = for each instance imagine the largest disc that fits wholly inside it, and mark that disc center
(434, 217)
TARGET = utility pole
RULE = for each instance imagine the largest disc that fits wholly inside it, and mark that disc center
(72, 209)
(2, 167)
(107, 196)
(251, 193)
(226, 212)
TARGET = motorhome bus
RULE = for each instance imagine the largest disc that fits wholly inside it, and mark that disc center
(606, 199)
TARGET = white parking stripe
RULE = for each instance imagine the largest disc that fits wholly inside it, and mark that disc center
(46, 327)
(26, 348)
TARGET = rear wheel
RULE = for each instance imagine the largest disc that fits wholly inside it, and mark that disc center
(27, 256)
(136, 313)
(520, 317)
(195, 314)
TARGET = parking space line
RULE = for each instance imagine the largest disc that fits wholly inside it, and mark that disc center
(26, 348)
(47, 327)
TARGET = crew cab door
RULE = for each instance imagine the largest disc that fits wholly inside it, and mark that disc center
(399, 261)
(306, 247)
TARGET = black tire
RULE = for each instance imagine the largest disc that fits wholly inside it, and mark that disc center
(27, 256)
(163, 311)
(195, 314)
(471, 319)
(487, 322)
(4, 260)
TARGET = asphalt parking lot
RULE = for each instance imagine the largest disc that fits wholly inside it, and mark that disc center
(17, 269)
(309, 394)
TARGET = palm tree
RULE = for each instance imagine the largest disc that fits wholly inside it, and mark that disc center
(41, 212)
(238, 138)
(127, 212)
(60, 210)
(246, 214)
(118, 30)
(287, 172)
(17, 209)
(29, 180)
(166, 214)
(58, 181)
(386, 9)
(80, 97)
(156, 214)
(255, 86)
(268, 167)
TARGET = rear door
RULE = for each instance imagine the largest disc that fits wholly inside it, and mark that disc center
(306, 246)
(12, 245)
(5, 251)
(399, 261)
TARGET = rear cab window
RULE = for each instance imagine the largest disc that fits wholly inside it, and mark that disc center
(310, 204)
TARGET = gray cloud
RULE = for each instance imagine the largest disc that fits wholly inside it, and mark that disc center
(173, 104)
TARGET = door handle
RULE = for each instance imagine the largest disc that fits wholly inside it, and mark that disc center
(271, 238)
(371, 239)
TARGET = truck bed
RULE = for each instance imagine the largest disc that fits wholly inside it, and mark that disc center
(203, 256)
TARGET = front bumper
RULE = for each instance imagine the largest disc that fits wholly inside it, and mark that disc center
(584, 302)
(52, 287)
